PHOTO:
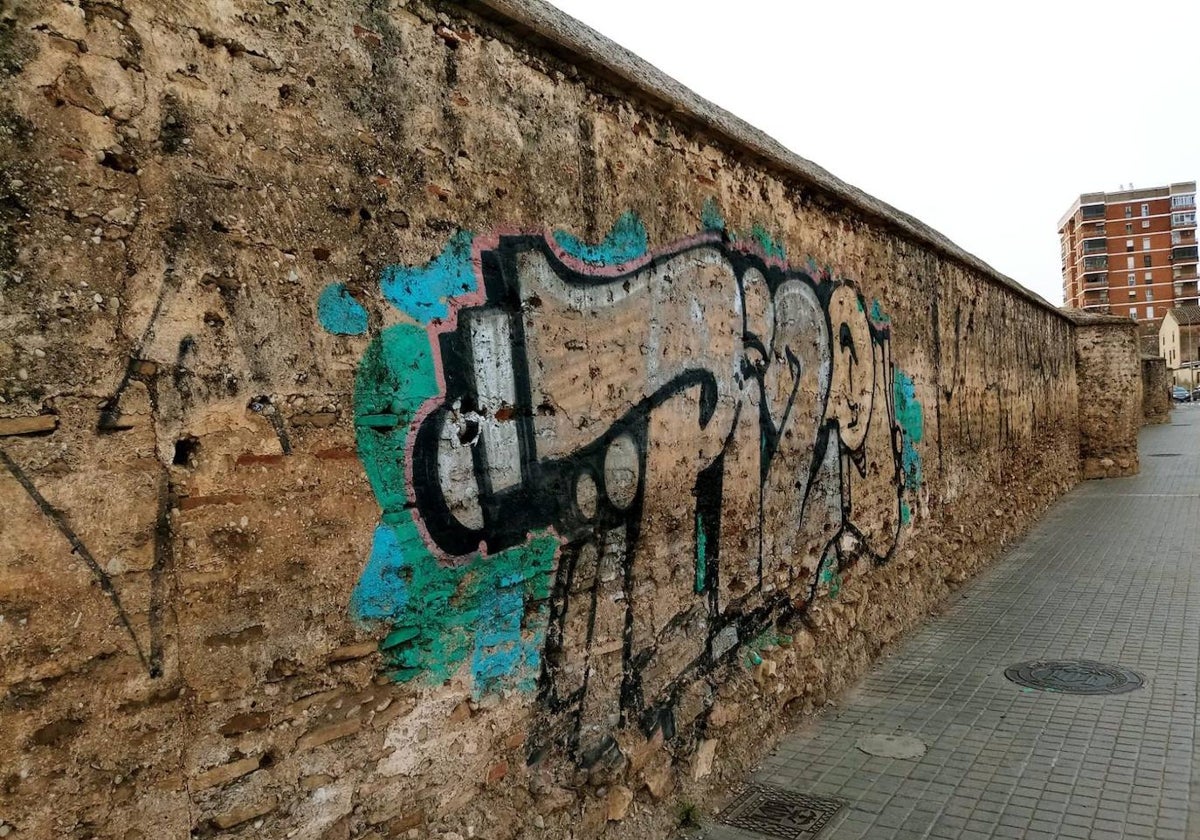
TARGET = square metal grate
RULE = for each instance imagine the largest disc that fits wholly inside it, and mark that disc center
(779, 813)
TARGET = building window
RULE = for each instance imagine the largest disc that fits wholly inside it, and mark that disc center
(1129, 262)
(1145, 210)
(1149, 311)
(1145, 223)
(1132, 278)
(1133, 293)
(1183, 201)
(1146, 260)
(1149, 294)
(1145, 243)
(1128, 244)
(1149, 276)
(1129, 227)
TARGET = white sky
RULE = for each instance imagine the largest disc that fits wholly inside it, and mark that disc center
(983, 119)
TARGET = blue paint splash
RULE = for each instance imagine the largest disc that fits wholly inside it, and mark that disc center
(339, 313)
(910, 416)
(626, 241)
(422, 291)
(710, 216)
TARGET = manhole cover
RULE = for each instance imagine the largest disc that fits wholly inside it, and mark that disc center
(779, 813)
(1075, 676)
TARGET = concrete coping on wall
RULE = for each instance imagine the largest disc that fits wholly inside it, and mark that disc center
(1082, 318)
(562, 35)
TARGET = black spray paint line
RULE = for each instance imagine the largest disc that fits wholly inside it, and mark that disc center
(56, 516)
(264, 406)
(111, 411)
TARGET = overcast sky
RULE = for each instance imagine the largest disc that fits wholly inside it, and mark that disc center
(983, 119)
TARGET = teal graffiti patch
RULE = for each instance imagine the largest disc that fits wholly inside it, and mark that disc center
(912, 422)
(829, 577)
(626, 241)
(877, 313)
(422, 291)
(339, 312)
(710, 216)
(766, 640)
(489, 613)
(489, 610)
(771, 246)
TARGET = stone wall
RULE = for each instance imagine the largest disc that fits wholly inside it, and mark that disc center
(1156, 390)
(426, 420)
(1109, 378)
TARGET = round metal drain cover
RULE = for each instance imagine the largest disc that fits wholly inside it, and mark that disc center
(1075, 676)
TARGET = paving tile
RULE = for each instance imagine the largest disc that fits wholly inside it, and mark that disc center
(1111, 573)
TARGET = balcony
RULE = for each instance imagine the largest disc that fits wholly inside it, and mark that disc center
(1099, 277)
(1185, 254)
(1097, 263)
(1183, 219)
(1092, 211)
(1183, 202)
(1095, 246)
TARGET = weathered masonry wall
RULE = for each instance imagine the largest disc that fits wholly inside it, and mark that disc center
(1110, 380)
(410, 427)
(1156, 390)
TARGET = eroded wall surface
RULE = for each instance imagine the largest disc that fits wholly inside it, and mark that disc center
(1156, 389)
(1110, 381)
(405, 432)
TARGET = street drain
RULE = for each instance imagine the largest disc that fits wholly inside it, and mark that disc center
(1075, 676)
(1163, 454)
(779, 813)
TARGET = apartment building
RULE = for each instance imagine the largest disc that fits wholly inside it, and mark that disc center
(1131, 252)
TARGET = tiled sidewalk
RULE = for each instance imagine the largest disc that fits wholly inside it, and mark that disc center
(1111, 574)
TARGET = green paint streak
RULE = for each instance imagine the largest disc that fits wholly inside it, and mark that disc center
(394, 378)
(701, 553)
(905, 513)
(878, 315)
(710, 215)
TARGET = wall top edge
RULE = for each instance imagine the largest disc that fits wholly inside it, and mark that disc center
(559, 33)
(1081, 318)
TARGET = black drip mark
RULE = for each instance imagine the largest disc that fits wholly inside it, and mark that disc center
(263, 405)
(60, 521)
(163, 551)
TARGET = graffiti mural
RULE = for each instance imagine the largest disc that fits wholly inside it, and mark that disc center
(603, 469)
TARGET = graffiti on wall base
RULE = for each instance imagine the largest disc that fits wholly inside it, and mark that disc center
(603, 469)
